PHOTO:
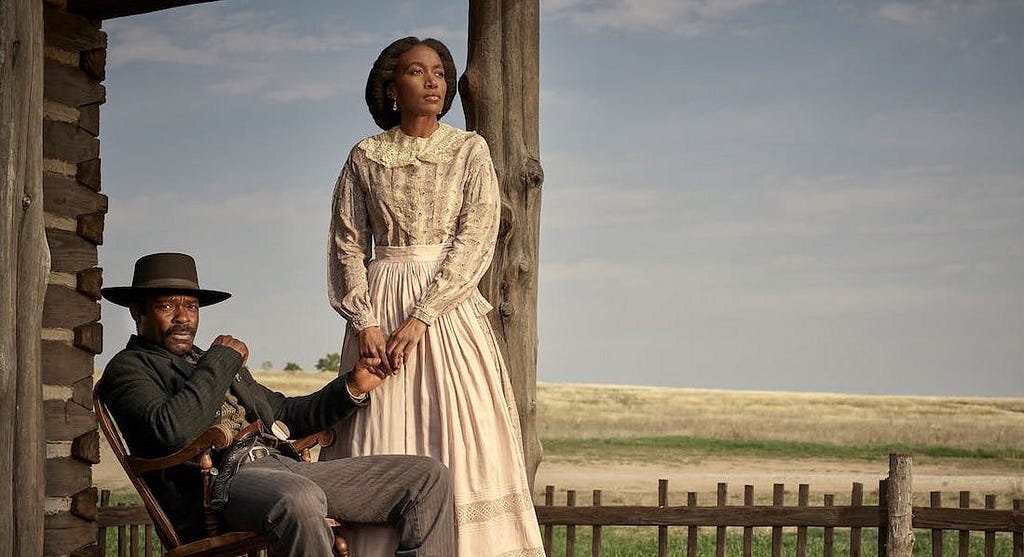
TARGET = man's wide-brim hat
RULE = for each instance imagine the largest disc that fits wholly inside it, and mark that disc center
(163, 273)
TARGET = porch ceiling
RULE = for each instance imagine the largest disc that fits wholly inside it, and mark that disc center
(107, 9)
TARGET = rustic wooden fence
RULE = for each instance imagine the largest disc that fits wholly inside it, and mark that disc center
(892, 516)
(857, 516)
(134, 535)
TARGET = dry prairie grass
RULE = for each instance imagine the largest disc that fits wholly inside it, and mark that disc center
(293, 384)
(579, 411)
(602, 411)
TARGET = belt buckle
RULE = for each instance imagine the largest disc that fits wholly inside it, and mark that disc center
(257, 453)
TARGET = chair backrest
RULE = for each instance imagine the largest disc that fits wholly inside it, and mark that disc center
(216, 436)
(168, 536)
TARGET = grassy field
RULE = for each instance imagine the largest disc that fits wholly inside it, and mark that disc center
(639, 426)
(983, 427)
(604, 411)
(643, 542)
(582, 425)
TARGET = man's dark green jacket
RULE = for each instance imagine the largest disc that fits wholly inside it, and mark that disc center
(161, 402)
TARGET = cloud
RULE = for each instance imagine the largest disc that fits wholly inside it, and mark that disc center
(304, 92)
(923, 221)
(684, 17)
(243, 83)
(281, 38)
(999, 40)
(910, 14)
(141, 43)
(933, 12)
(571, 99)
(260, 54)
(440, 32)
(268, 81)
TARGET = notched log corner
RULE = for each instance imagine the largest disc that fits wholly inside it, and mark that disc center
(84, 504)
(86, 447)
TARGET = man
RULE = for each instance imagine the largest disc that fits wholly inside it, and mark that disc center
(163, 392)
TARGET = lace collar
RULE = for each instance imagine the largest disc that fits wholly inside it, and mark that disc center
(393, 148)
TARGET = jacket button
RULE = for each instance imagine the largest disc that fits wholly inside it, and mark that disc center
(238, 378)
(216, 414)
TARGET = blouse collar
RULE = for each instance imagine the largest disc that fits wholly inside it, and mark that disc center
(393, 148)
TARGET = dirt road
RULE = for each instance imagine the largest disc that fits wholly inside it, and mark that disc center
(637, 483)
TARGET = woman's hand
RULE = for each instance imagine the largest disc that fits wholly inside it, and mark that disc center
(372, 344)
(403, 340)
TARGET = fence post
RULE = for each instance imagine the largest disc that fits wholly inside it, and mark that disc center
(900, 505)
(662, 530)
(549, 529)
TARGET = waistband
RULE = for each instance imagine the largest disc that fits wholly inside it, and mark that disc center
(411, 253)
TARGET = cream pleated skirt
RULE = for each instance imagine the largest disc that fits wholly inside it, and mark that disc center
(452, 401)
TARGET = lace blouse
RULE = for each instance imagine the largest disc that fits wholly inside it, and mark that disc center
(397, 190)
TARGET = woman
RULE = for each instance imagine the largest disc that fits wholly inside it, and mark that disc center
(415, 217)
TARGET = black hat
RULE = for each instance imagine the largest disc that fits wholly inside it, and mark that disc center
(163, 273)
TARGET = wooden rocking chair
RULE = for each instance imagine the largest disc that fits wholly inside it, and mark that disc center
(218, 544)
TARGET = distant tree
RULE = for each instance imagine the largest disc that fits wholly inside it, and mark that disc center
(292, 366)
(330, 362)
(267, 365)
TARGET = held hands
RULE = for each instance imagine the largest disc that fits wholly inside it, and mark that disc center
(365, 377)
(391, 351)
(234, 344)
(372, 345)
(403, 340)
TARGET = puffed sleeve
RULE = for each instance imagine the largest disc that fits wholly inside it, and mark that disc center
(349, 246)
(473, 244)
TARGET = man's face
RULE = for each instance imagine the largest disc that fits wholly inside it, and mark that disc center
(170, 321)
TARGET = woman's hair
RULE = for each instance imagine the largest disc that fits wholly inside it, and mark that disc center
(383, 72)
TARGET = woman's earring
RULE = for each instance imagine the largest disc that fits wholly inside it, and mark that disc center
(394, 105)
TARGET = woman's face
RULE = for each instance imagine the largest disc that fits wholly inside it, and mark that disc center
(419, 85)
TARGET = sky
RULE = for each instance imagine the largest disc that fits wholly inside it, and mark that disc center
(818, 196)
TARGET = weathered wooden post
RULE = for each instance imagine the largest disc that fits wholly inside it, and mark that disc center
(900, 506)
(500, 94)
(24, 264)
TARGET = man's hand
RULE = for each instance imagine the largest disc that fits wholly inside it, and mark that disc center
(403, 341)
(371, 345)
(365, 377)
(234, 344)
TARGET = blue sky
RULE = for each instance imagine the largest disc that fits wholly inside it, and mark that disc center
(739, 194)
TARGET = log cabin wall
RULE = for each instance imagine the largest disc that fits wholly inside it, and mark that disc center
(74, 208)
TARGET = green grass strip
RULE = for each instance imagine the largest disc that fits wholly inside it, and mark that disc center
(692, 446)
(635, 541)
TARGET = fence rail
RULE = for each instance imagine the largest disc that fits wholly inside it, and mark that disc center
(134, 536)
(857, 516)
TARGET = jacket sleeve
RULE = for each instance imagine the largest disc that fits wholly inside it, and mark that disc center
(308, 414)
(154, 421)
(473, 245)
(349, 250)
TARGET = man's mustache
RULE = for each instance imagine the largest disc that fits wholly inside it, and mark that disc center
(175, 329)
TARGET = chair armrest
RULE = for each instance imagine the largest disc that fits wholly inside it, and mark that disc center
(216, 436)
(323, 438)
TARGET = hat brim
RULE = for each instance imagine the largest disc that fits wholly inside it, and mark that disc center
(128, 295)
